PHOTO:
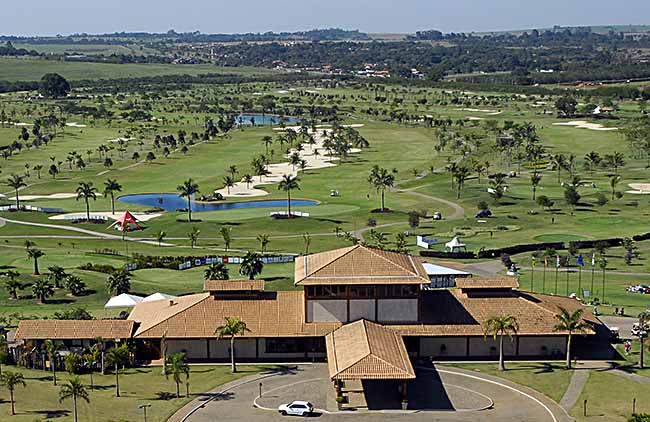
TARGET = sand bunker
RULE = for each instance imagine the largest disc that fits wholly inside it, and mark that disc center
(478, 110)
(82, 215)
(473, 118)
(120, 139)
(581, 124)
(639, 188)
(75, 124)
(50, 196)
(276, 171)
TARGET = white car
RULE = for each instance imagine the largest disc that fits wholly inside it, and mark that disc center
(296, 408)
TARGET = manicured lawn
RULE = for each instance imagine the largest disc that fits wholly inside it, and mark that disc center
(39, 400)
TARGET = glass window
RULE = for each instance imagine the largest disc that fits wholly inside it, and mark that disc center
(284, 345)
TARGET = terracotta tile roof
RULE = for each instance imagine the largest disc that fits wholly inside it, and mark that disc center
(452, 313)
(233, 285)
(487, 283)
(359, 265)
(74, 329)
(271, 314)
(365, 350)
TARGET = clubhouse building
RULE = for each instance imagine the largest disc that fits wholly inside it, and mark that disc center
(368, 312)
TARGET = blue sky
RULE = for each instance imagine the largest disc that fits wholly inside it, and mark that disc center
(48, 17)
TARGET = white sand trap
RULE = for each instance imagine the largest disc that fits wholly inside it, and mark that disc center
(276, 171)
(120, 139)
(81, 215)
(478, 110)
(282, 92)
(639, 188)
(581, 124)
(75, 124)
(474, 118)
(51, 196)
(23, 124)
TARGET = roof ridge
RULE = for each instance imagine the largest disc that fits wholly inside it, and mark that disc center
(373, 251)
(306, 260)
(181, 309)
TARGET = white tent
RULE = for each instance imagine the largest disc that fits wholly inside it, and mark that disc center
(157, 296)
(124, 300)
(455, 244)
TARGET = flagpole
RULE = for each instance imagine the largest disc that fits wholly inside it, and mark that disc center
(580, 280)
(556, 270)
(567, 277)
(544, 277)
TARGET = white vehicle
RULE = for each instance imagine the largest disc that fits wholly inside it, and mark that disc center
(296, 408)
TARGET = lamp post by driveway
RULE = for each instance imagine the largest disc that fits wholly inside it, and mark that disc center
(144, 408)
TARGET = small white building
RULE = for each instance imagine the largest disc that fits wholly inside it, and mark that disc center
(443, 277)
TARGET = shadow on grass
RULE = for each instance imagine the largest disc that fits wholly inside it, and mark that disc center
(50, 414)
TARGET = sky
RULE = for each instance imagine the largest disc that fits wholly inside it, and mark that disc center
(51, 17)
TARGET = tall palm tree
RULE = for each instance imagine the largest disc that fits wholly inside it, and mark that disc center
(73, 389)
(613, 182)
(16, 182)
(226, 235)
(117, 356)
(34, 254)
(51, 349)
(91, 359)
(216, 271)
(12, 284)
(251, 265)
(264, 240)
(570, 322)
(11, 380)
(498, 185)
(87, 191)
(177, 366)
(267, 140)
(287, 184)
(119, 281)
(592, 159)
(228, 182)
(498, 327)
(234, 326)
(381, 179)
(535, 179)
(248, 179)
(110, 187)
(558, 162)
(186, 190)
(644, 324)
(193, 235)
(42, 289)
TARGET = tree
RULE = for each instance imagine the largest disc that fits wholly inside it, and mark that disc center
(42, 289)
(119, 281)
(72, 363)
(264, 240)
(566, 105)
(160, 236)
(613, 182)
(150, 157)
(498, 186)
(615, 161)
(226, 234)
(73, 389)
(11, 380)
(193, 236)
(499, 327)
(75, 285)
(535, 179)
(38, 168)
(460, 175)
(644, 327)
(558, 162)
(51, 349)
(87, 191)
(56, 275)
(91, 359)
(287, 184)
(117, 356)
(228, 182)
(16, 182)
(381, 179)
(251, 265)
(110, 187)
(234, 326)
(248, 179)
(35, 254)
(544, 202)
(267, 140)
(216, 271)
(570, 322)
(571, 196)
(177, 366)
(53, 85)
(592, 159)
(53, 171)
(186, 190)
(12, 284)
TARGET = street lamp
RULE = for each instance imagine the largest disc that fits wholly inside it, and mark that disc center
(144, 408)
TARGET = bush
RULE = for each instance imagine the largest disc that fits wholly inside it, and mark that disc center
(482, 206)
(100, 268)
(601, 199)
(639, 417)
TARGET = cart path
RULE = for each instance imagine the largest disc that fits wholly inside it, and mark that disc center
(573, 391)
(459, 211)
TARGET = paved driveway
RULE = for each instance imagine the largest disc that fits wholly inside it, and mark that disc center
(462, 390)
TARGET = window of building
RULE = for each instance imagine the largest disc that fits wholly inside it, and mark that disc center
(284, 345)
(362, 292)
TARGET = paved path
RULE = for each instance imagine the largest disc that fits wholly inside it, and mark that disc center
(641, 379)
(459, 212)
(485, 269)
(572, 394)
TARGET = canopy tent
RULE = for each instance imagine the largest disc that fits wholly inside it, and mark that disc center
(126, 222)
(455, 245)
(158, 296)
(124, 300)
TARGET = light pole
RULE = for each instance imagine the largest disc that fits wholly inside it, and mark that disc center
(144, 408)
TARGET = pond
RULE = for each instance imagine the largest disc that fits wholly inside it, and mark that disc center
(173, 202)
(266, 119)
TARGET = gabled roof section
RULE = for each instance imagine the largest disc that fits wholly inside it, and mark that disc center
(359, 264)
(488, 283)
(51, 329)
(151, 314)
(365, 350)
(233, 285)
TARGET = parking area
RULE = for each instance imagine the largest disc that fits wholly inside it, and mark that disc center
(442, 394)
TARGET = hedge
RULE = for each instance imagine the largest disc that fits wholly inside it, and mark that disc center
(451, 255)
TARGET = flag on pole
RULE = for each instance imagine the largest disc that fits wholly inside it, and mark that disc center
(546, 261)
(593, 259)
(557, 261)
(534, 262)
(580, 261)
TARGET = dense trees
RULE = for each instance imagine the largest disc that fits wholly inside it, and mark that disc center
(53, 85)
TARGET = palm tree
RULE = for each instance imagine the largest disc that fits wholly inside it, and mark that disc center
(535, 179)
(498, 185)
(33, 253)
(75, 285)
(16, 182)
(91, 359)
(226, 234)
(592, 159)
(558, 161)
(570, 322)
(499, 327)
(12, 284)
(228, 182)
(160, 236)
(87, 191)
(38, 168)
(381, 179)
(193, 235)
(75, 389)
(287, 184)
(267, 140)
(42, 289)
(264, 241)
(234, 326)
(119, 282)
(613, 182)
(110, 187)
(248, 179)
(187, 189)
(251, 265)
(117, 356)
(615, 160)
(460, 175)
(51, 349)
(177, 366)
(216, 271)
(11, 380)
(644, 323)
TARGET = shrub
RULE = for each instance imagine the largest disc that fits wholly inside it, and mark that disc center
(601, 199)
(100, 268)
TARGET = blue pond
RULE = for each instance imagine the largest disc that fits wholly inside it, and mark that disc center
(267, 119)
(173, 202)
